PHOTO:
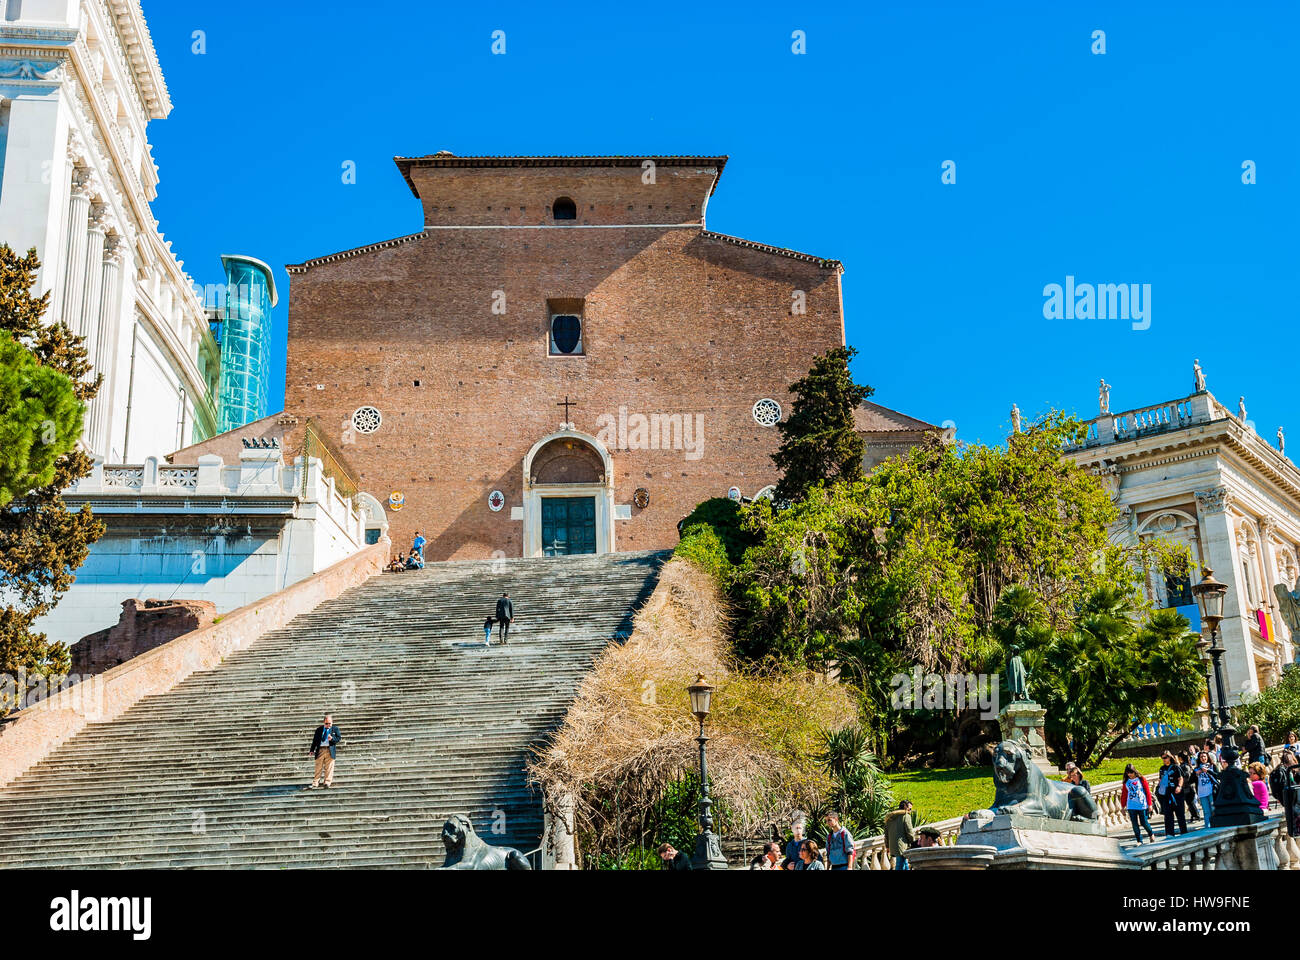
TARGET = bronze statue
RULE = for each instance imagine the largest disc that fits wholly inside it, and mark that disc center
(1020, 787)
(466, 851)
(1017, 678)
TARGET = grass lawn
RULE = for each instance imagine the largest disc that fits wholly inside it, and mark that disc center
(940, 793)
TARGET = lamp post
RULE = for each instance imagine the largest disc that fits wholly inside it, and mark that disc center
(1204, 647)
(1209, 596)
(708, 852)
(1234, 803)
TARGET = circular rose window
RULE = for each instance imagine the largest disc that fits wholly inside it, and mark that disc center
(767, 412)
(367, 419)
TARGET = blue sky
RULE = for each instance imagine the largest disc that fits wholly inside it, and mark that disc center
(1117, 168)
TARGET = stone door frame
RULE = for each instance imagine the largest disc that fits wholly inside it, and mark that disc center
(602, 491)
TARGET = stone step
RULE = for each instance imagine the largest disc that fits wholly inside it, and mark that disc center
(434, 723)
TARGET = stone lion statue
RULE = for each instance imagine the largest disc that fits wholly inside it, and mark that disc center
(467, 851)
(1020, 787)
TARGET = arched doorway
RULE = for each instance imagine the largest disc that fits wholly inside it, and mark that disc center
(376, 518)
(568, 496)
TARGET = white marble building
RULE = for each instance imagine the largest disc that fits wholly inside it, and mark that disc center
(79, 83)
(1192, 471)
(229, 533)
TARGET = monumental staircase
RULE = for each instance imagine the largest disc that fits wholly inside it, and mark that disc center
(212, 773)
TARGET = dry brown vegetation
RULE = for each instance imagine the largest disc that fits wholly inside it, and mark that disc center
(630, 733)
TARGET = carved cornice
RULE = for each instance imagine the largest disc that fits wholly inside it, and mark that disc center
(135, 47)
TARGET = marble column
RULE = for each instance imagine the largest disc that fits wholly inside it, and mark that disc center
(102, 343)
(74, 254)
(1219, 541)
(94, 271)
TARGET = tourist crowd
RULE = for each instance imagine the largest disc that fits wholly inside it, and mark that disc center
(1185, 788)
(1186, 785)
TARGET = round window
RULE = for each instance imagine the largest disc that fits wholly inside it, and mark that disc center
(367, 419)
(767, 413)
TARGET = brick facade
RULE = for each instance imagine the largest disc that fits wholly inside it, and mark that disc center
(676, 320)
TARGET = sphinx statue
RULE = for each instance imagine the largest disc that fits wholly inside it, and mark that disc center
(1021, 788)
(467, 851)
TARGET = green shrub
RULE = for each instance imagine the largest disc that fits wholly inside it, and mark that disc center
(701, 545)
(724, 516)
(1276, 710)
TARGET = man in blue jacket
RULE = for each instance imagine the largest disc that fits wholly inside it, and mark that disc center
(324, 747)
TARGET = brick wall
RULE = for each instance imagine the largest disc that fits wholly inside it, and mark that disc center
(676, 321)
(144, 624)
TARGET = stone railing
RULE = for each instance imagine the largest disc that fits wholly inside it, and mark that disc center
(261, 473)
(1260, 846)
(1170, 415)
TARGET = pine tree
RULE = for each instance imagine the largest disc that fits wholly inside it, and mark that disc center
(41, 541)
(40, 420)
(819, 441)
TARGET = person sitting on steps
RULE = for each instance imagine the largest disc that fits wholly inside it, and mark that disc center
(414, 561)
(505, 613)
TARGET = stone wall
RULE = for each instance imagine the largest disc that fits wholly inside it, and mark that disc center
(37, 731)
(144, 624)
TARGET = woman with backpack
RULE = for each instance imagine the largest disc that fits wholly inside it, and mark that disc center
(1137, 800)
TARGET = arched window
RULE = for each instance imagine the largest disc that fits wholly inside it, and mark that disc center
(566, 334)
(564, 209)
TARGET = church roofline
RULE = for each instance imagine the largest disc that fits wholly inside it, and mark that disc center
(448, 160)
(354, 252)
(779, 251)
(297, 268)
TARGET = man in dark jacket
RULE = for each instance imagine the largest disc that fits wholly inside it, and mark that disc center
(324, 747)
(1255, 746)
(672, 859)
(505, 613)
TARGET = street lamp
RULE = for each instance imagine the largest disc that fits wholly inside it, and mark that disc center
(1209, 597)
(1234, 803)
(708, 852)
(1204, 647)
